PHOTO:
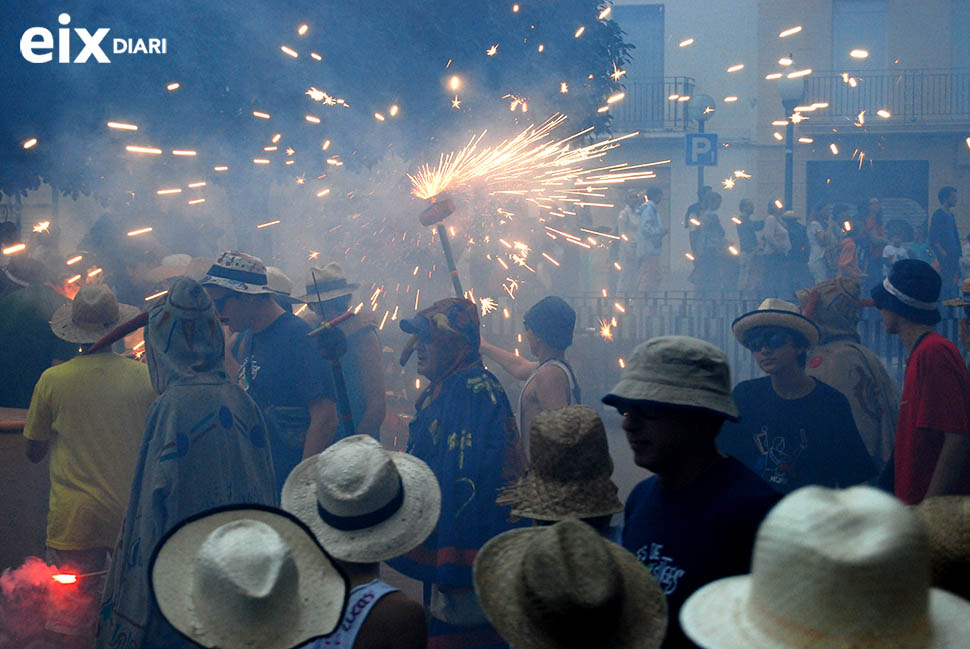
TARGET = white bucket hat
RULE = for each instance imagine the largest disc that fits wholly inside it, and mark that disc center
(238, 272)
(676, 371)
(832, 570)
(565, 586)
(776, 313)
(364, 504)
(247, 577)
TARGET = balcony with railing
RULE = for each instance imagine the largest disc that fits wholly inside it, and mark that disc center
(917, 99)
(648, 106)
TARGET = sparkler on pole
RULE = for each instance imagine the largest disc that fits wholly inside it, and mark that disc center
(435, 215)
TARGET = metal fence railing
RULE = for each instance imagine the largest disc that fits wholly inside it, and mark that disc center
(648, 104)
(597, 360)
(911, 96)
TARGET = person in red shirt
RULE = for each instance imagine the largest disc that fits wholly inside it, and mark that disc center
(932, 451)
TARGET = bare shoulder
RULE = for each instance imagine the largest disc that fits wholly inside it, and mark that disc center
(395, 622)
(551, 375)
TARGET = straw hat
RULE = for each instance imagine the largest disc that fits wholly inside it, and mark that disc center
(238, 272)
(570, 471)
(676, 371)
(964, 299)
(327, 283)
(832, 569)
(364, 504)
(947, 523)
(776, 313)
(247, 577)
(94, 312)
(565, 586)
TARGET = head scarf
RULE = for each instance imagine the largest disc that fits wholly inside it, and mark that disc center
(183, 339)
(834, 306)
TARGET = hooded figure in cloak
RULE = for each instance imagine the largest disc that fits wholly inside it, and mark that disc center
(465, 431)
(205, 446)
(840, 360)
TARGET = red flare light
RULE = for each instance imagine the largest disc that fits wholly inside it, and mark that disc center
(65, 578)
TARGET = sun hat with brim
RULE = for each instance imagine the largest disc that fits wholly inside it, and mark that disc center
(565, 586)
(912, 290)
(569, 473)
(776, 313)
(280, 285)
(365, 504)
(238, 272)
(832, 569)
(327, 283)
(964, 299)
(677, 371)
(247, 577)
(94, 312)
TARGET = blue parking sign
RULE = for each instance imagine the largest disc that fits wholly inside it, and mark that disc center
(701, 149)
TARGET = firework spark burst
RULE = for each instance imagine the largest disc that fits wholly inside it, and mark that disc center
(529, 163)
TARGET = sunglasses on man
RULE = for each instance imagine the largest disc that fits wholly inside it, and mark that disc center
(774, 338)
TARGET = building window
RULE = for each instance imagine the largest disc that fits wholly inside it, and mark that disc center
(860, 25)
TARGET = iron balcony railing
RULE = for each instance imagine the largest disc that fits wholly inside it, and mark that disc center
(912, 97)
(654, 105)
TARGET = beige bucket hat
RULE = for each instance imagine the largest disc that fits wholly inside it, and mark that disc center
(327, 283)
(247, 577)
(94, 312)
(569, 474)
(832, 569)
(776, 313)
(238, 272)
(566, 586)
(676, 371)
(364, 504)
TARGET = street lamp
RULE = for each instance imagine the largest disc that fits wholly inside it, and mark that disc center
(792, 90)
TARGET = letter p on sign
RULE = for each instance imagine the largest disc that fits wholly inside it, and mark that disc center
(701, 149)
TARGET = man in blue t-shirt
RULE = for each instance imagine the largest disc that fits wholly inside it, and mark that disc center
(279, 365)
(794, 430)
(695, 520)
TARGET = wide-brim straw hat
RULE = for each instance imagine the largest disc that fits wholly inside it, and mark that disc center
(238, 271)
(776, 313)
(677, 371)
(247, 577)
(327, 283)
(832, 569)
(94, 312)
(365, 504)
(565, 586)
(569, 474)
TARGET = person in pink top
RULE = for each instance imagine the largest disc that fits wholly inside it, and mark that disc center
(932, 451)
